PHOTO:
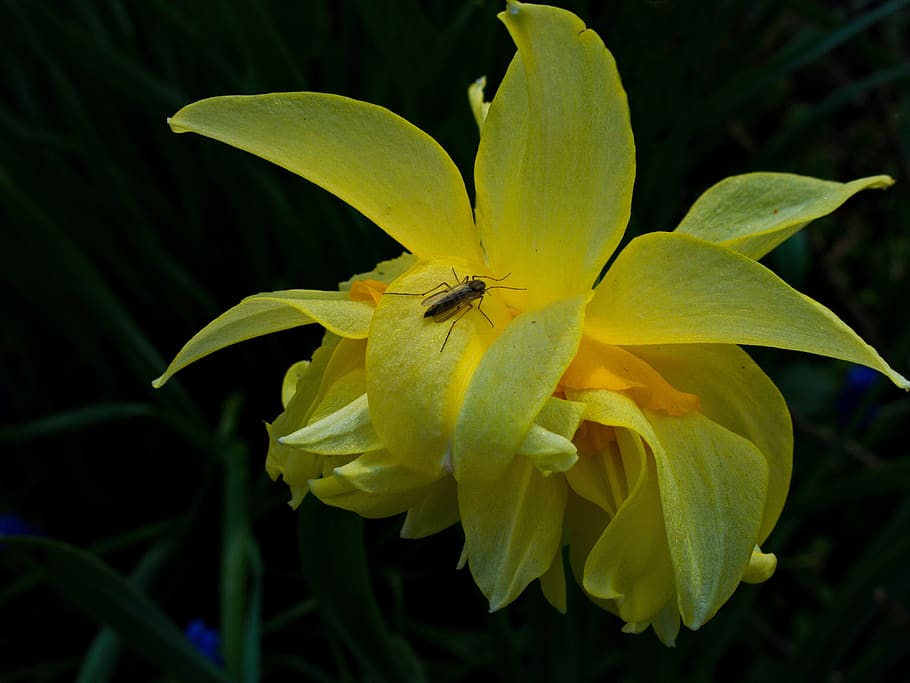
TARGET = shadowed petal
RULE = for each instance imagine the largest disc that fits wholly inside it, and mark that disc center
(513, 528)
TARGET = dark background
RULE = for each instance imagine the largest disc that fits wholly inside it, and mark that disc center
(120, 240)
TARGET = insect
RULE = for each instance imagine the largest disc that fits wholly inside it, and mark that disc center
(454, 301)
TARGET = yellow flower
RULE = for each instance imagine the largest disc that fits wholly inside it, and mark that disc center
(621, 420)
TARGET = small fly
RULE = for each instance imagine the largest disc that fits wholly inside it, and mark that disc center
(454, 301)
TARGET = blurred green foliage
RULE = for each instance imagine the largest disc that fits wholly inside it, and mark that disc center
(120, 240)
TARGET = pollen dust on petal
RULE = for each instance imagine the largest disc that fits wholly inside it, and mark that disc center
(367, 291)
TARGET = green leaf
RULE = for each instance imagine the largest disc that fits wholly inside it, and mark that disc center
(108, 597)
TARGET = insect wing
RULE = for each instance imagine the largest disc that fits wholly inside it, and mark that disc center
(450, 312)
(438, 298)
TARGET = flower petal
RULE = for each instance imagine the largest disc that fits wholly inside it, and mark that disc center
(754, 212)
(438, 510)
(347, 431)
(475, 98)
(631, 560)
(339, 492)
(712, 486)
(511, 385)
(668, 288)
(553, 584)
(392, 172)
(735, 393)
(381, 472)
(416, 378)
(271, 312)
(761, 567)
(513, 528)
(549, 442)
(556, 162)
(335, 359)
(604, 366)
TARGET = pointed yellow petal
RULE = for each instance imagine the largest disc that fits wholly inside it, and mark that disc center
(513, 528)
(755, 212)
(438, 510)
(761, 567)
(556, 162)
(668, 288)
(271, 312)
(735, 393)
(347, 431)
(666, 625)
(392, 172)
(475, 98)
(511, 384)
(553, 584)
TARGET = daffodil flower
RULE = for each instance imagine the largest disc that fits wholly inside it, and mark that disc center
(621, 420)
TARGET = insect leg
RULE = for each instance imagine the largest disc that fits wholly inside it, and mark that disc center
(479, 302)
(441, 284)
(466, 308)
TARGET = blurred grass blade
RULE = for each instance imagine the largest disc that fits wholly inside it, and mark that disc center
(100, 661)
(812, 46)
(74, 420)
(241, 565)
(108, 597)
(335, 564)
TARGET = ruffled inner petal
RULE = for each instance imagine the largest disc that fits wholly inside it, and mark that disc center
(631, 560)
(712, 486)
(735, 393)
